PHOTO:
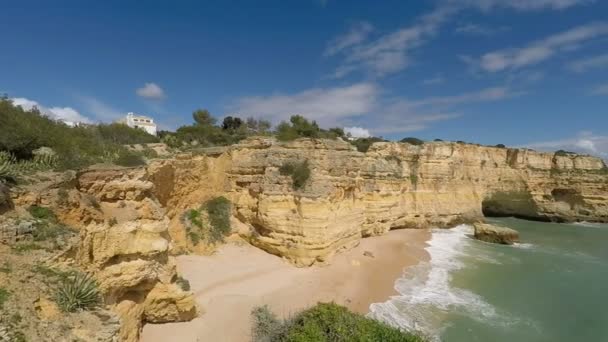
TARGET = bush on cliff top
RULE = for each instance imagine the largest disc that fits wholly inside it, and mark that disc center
(412, 141)
(324, 322)
(300, 127)
(363, 144)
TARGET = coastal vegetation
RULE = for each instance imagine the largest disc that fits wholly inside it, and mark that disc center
(78, 293)
(210, 222)
(412, 141)
(299, 172)
(24, 132)
(363, 144)
(324, 322)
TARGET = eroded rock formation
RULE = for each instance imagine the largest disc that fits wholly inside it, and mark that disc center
(351, 194)
(495, 234)
(124, 242)
(130, 220)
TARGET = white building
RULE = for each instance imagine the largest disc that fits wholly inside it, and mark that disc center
(140, 121)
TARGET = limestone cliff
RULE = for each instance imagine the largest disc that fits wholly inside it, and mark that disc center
(124, 242)
(351, 194)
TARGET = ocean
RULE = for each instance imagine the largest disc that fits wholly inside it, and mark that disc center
(551, 287)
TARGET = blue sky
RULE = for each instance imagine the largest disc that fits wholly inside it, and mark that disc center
(519, 72)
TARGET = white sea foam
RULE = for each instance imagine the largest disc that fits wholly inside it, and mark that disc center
(590, 224)
(523, 245)
(425, 291)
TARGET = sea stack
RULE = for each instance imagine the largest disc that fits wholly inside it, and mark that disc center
(495, 234)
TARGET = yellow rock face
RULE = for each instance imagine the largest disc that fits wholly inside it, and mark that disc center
(394, 185)
(128, 251)
(168, 303)
(46, 309)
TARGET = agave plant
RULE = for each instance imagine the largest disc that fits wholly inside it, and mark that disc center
(10, 167)
(8, 171)
(78, 293)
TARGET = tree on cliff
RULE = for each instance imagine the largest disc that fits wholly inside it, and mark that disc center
(202, 117)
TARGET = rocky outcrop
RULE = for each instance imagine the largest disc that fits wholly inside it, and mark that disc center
(495, 234)
(128, 253)
(124, 242)
(351, 194)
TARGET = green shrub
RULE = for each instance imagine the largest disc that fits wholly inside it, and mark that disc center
(300, 127)
(563, 153)
(4, 295)
(501, 146)
(412, 141)
(129, 159)
(266, 327)
(78, 293)
(183, 283)
(47, 231)
(42, 213)
(414, 179)
(121, 134)
(219, 212)
(325, 322)
(363, 144)
(22, 132)
(26, 247)
(195, 229)
(299, 172)
(62, 196)
(149, 153)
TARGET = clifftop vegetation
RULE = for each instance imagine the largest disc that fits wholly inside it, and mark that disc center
(23, 132)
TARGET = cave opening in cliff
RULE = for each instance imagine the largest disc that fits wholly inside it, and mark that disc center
(511, 204)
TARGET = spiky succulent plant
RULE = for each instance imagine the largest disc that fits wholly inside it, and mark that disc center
(78, 293)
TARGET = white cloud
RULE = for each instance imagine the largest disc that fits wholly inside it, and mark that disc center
(600, 90)
(357, 34)
(99, 109)
(361, 105)
(404, 115)
(536, 52)
(151, 91)
(484, 95)
(584, 142)
(434, 80)
(390, 52)
(583, 65)
(479, 30)
(58, 113)
(357, 132)
(522, 5)
(325, 105)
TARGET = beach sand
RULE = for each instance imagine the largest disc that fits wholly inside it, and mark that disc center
(238, 277)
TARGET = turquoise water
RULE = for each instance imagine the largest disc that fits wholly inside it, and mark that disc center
(552, 287)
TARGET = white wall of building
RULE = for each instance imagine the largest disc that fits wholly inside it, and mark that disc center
(140, 121)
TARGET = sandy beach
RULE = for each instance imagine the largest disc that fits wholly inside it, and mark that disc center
(238, 277)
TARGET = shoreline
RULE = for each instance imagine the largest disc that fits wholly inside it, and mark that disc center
(238, 277)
